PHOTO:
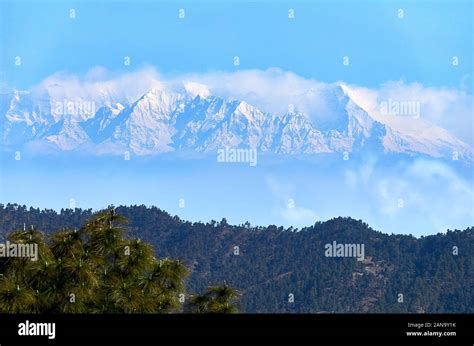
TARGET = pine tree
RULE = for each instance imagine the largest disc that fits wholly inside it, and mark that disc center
(96, 269)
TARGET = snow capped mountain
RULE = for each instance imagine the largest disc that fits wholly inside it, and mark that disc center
(413, 135)
(168, 119)
(24, 118)
(297, 135)
(145, 126)
(67, 134)
(207, 124)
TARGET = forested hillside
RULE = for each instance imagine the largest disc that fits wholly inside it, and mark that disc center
(286, 270)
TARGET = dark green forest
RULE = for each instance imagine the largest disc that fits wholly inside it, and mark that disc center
(286, 270)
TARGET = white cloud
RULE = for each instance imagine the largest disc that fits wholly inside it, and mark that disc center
(299, 216)
(273, 89)
(98, 84)
(428, 188)
(286, 207)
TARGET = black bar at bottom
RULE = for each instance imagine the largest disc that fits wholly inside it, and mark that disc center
(241, 329)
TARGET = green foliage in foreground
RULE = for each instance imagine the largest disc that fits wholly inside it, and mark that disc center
(96, 269)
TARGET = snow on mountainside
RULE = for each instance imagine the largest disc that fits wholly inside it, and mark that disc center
(414, 135)
(145, 126)
(190, 118)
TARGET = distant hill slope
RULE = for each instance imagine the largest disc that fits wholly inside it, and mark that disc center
(273, 262)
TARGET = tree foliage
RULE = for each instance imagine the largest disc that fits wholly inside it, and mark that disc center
(96, 269)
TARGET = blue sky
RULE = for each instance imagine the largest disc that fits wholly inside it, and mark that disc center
(380, 46)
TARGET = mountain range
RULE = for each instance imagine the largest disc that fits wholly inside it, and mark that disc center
(190, 118)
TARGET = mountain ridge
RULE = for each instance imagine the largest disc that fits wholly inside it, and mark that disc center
(166, 120)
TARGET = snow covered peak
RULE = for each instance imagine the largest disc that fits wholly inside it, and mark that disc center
(249, 112)
(158, 102)
(345, 88)
(195, 89)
